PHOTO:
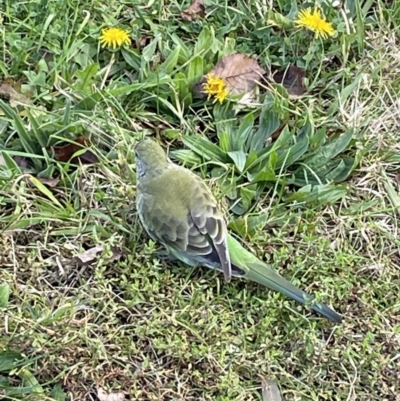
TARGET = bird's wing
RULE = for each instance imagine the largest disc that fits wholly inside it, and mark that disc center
(169, 230)
(208, 235)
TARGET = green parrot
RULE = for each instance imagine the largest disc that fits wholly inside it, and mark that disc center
(178, 209)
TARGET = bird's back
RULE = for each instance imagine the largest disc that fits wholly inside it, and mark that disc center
(173, 191)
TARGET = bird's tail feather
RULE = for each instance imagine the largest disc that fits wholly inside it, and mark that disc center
(265, 275)
(245, 264)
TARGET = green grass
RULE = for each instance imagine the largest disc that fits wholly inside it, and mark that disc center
(129, 322)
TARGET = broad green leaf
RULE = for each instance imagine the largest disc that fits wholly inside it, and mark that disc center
(4, 294)
(343, 96)
(239, 138)
(229, 47)
(262, 158)
(9, 360)
(318, 139)
(223, 140)
(246, 197)
(4, 382)
(320, 160)
(360, 27)
(337, 146)
(266, 174)
(353, 163)
(182, 86)
(67, 113)
(171, 133)
(185, 54)
(286, 157)
(150, 49)
(249, 224)
(170, 63)
(315, 174)
(269, 124)
(10, 163)
(286, 136)
(90, 101)
(23, 134)
(321, 194)
(41, 138)
(31, 381)
(85, 78)
(251, 158)
(350, 164)
(227, 131)
(57, 393)
(317, 161)
(44, 190)
(273, 159)
(227, 183)
(195, 71)
(339, 169)
(205, 148)
(186, 157)
(239, 158)
(132, 58)
(204, 41)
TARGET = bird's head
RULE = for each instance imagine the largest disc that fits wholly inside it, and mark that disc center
(150, 157)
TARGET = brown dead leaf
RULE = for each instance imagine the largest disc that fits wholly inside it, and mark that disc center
(270, 391)
(276, 134)
(117, 254)
(21, 161)
(143, 41)
(195, 11)
(397, 178)
(50, 182)
(89, 255)
(11, 93)
(64, 153)
(240, 72)
(102, 395)
(292, 78)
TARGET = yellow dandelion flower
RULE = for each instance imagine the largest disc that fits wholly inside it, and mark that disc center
(114, 37)
(315, 22)
(216, 86)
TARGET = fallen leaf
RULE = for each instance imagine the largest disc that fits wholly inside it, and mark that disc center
(270, 391)
(21, 161)
(102, 395)
(117, 254)
(279, 130)
(50, 182)
(397, 178)
(239, 71)
(64, 153)
(194, 11)
(89, 255)
(247, 99)
(292, 78)
(143, 41)
(10, 92)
